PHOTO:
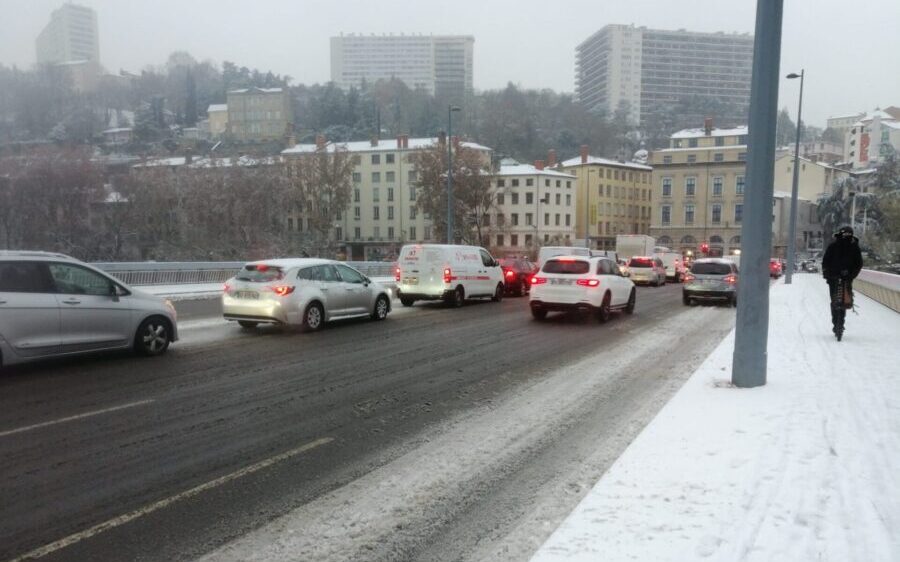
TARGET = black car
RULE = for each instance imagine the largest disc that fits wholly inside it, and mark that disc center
(517, 273)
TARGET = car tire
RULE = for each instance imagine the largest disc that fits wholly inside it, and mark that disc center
(498, 293)
(539, 314)
(153, 336)
(380, 311)
(686, 300)
(313, 318)
(603, 313)
(247, 325)
(457, 298)
(407, 301)
(632, 298)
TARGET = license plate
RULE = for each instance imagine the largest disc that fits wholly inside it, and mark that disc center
(560, 281)
(411, 281)
(246, 294)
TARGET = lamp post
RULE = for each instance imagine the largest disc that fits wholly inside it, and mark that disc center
(450, 110)
(792, 227)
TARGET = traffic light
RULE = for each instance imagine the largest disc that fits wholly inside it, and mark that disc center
(704, 247)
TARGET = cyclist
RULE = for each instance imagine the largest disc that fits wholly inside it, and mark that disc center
(840, 266)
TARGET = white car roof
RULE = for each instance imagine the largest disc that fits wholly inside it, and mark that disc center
(34, 255)
(288, 263)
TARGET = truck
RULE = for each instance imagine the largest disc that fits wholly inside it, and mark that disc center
(674, 263)
(631, 245)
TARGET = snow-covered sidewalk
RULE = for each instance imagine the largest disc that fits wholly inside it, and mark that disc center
(806, 467)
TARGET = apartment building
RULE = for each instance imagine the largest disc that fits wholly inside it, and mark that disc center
(612, 198)
(383, 213)
(816, 178)
(439, 64)
(70, 35)
(872, 138)
(259, 114)
(650, 69)
(698, 190)
(534, 206)
(218, 119)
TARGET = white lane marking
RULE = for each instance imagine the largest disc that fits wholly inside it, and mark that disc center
(73, 418)
(123, 519)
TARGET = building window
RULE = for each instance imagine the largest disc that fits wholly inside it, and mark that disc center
(391, 213)
(720, 141)
(739, 185)
(501, 183)
(692, 143)
(716, 213)
(356, 213)
(529, 198)
(501, 219)
(411, 176)
(568, 219)
(718, 157)
(568, 184)
(666, 214)
(290, 223)
(500, 240)
(412, 233)
(376, 213)
(412, 213)
(558, 183)
(339, 233)
(667, 187)
(357, 177)
(558, 198)
(546, 219)
(389, 177)
(529, 219)
(568, 200)
(689, 214)
(515, 183)
(427, 233)
(529, 182)
(376, 194)
(742, 156)
(500, 199)
(691, 158)
(528, 240)
(690, 186)
(390, 193)
(356, 195)
(513, 239)
(412, 193)
(515, 198)
(738, 213)
(376, 231)
(666, 160)
(556, 219)
(742, 139)
(376, 159)
(514, 219)
(376, 177)
(357, 233)
(388, 158)
(717, 186)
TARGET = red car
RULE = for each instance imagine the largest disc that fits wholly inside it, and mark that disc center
(775, 268)
(517, 273)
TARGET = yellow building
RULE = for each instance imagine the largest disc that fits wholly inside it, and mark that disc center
(612, 198)
(698, 190)
(260, 114)
(815, 179)
(218, 119)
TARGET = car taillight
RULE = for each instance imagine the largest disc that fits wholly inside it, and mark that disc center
(448, 275)
(731, 279)
(283, 290)
(510, 273)
(226, 288)
(588, 282)
(538, 280)
(397, 274)
(687, 278)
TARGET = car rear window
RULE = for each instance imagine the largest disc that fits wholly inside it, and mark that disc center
(711, 269)
(260, 273)
(640, 262)
(23, 277)
(573, 267)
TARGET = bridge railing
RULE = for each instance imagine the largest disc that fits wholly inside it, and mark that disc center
(881, 286)
(188, 273)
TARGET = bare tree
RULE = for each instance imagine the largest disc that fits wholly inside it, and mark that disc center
(320, 186)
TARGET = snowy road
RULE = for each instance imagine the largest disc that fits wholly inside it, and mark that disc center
(438, 435)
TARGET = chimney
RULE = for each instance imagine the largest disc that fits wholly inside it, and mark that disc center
(442, 138)
(539, 164)
(584, 153)
(374, 141)
(405, 141)
(320, 142)
(708, 126)
(399, 141)
(551, 158)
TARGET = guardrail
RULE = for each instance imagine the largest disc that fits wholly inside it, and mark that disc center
(880, 286)
(187, 273)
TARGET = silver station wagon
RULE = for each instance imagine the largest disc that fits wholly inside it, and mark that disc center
(54, 305)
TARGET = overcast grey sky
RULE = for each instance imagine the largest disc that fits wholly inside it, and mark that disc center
(851, 50)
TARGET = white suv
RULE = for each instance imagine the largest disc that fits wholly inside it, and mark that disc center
(581, 284)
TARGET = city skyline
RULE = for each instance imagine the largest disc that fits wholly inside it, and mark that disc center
(518, 42)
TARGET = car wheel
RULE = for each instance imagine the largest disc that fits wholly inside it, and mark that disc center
(538, 314)
(152, 336)
(313, 317)
(407, 301)
(603, 313)
(248, 325)
(629, 308)
(686, 300)
(457, 298)
(498, 293)
(662, 281)
(380, 311)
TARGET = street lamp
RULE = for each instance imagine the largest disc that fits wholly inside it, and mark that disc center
(450, 110)
(792, 228)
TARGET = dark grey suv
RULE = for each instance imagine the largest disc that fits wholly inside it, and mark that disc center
(711, 279)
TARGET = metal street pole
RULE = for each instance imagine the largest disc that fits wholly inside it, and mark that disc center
(587, 209)
(450, 110)
(853, 210)
(748, 367)
(792, 228)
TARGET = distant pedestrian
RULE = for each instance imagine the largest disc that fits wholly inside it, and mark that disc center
(840, 266)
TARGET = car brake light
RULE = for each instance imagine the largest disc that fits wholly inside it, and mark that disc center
(510, 273)
(731, 279)
(588, 282)
(538, 280)
(687, 278)
(397, 274)
(226, 288)
(448, 275)
(283, 290)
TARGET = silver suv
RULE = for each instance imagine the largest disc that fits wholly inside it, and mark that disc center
(54, 305)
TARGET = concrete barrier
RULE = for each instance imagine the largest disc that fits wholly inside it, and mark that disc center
(880, 286)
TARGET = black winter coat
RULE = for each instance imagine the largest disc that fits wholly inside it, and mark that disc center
(842, 255)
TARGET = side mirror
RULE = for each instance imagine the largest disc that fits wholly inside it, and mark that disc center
(114, 292)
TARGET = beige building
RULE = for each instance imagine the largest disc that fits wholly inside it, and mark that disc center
(809, 228)
(815, 179)
(259, 114)
(218, 119)
(612, 198)
(698, 190)
(383, 214)
(534, 206)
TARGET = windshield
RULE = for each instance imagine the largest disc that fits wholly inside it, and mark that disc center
(711, 269)
(259, 273)
(573, 267)
(640, 262)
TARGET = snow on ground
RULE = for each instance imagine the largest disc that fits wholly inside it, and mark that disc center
(806, 467)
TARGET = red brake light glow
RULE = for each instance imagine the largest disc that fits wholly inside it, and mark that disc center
(510, 273)
(397, 274)
(538, 280)
(448, 275)
(283, 290)
(731, 279)
(687, 278)
(588, 282)
(226, 288)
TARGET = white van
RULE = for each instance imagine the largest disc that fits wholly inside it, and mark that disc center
(674, 264)
(547, 252)
(447, 272)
